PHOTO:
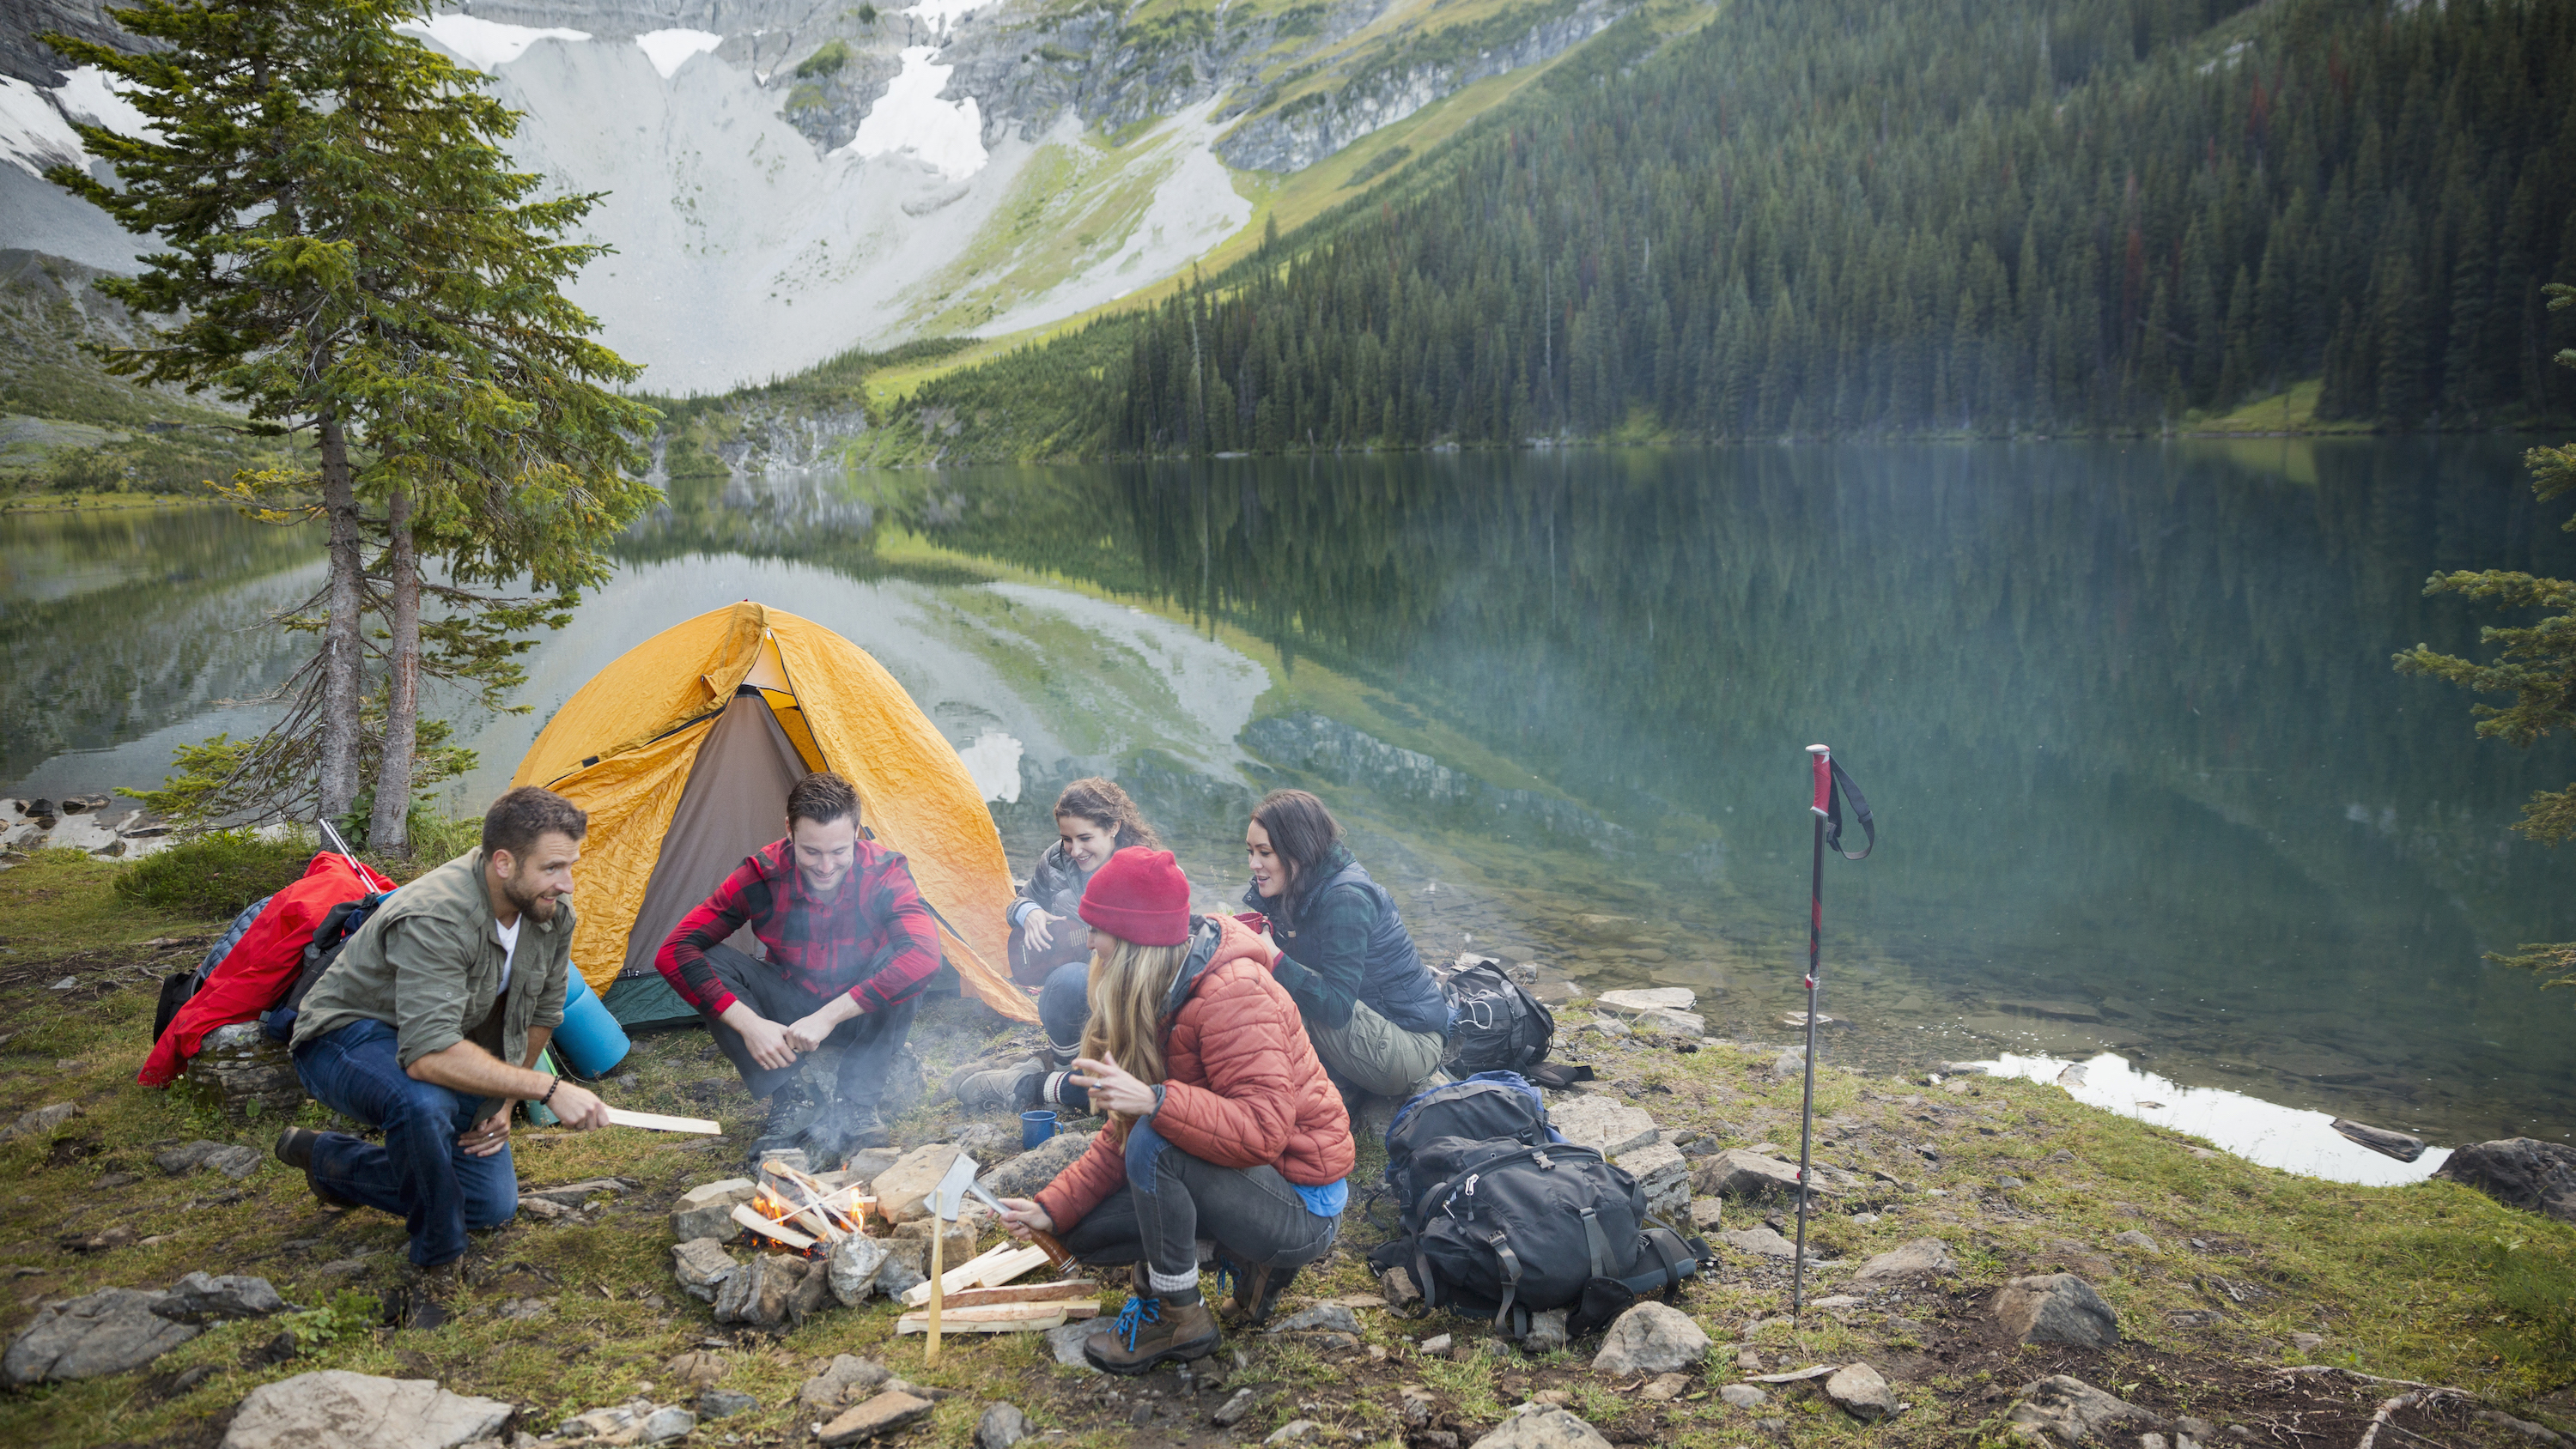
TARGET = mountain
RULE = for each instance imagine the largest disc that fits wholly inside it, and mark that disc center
(789, 179)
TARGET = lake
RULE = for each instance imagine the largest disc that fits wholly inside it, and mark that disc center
(2144, 778)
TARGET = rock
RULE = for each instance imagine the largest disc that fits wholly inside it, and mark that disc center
(577, 1194)
(1400, 1293)
(1002, 1426)
(1066, 1344)
(1292, 1432)
(1023, 1175)
(1547, 1332)
(1789, 1064)
(1760, 1241)
(988, 1141)
(907, 1264)
(831, 1388)
(1548, 1428)
(1741, 1173)
(239, 1072)
(2057, 1308)
(1438, 1345)
(1323, 1316)
(1663, 1175)
(1650, 998)
(706, 1211)
(2071, 1409)
(186, 1158)
(1707, 1212)
(865, 1164)
(763, 1292)
(1922, 1255)
(337, 1409)
(701, 1265)
(882, 1414)
(1664, 1388)
(1608, 1126)
(1650, 1338)
(1861, 1392)
(40, 1120)
(2135, 1239)
(851, 1270)
(666, 1424)
(696, 1369)
(1233, 1410)
(1743, 1396)
(1674, 1023)
(2520, 1172)
(619, 1422)
(106, 1332)
(2307, 1342)
(724, 1404)
(2536, 1433)
(2381, 1140)
(198, 1298)
(903, 1190)
(1605, 1025)
(960, 1235)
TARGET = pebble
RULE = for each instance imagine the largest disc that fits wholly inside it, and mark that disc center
(1743, 1396)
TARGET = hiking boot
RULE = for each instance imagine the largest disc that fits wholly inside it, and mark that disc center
(1256, 1292)
(790, 1113)
(1012, 1088)
(1151, 1332)
(427, 1297)
(295, 1149)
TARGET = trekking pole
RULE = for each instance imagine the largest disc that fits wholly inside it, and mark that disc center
(1827, 809)
(342, 846)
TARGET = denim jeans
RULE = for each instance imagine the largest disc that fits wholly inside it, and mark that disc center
(419, 1173)
(1172, 1199)
(1064, 1007)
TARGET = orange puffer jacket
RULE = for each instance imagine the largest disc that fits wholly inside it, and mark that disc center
(1242, 1085)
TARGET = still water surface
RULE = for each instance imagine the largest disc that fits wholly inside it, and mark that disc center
(2144, 777)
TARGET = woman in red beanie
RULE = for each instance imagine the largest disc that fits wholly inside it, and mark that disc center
(1222, 1124)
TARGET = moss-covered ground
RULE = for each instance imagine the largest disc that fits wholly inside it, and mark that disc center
(2429, 1282)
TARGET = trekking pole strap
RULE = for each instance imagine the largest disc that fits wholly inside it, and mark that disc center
(1832, 784)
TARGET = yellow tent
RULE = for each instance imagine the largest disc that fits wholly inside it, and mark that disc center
(682, 751)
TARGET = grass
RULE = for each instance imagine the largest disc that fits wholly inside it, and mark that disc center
(217, 874)
(2430, 1281)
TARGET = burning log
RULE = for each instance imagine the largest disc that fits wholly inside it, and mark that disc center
(746, 1215)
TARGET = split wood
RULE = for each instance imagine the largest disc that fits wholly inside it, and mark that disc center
(991, 1269)
(743, 1214)
(1002, 1317)
(1023, 1293)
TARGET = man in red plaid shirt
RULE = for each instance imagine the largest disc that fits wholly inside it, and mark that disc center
(850, 945)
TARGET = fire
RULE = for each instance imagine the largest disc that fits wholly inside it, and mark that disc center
(804, 1215)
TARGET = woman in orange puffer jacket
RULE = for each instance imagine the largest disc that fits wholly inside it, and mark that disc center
(1222, 1124)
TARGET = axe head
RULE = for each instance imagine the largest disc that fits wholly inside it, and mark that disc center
(950, 1194)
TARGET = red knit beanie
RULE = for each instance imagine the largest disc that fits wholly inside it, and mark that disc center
(1139, 895)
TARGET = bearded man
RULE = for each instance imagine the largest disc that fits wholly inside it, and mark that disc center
(850, 946)
(428, 1025)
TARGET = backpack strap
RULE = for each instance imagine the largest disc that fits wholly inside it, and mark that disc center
(1511, 1266)
(1599, 1245)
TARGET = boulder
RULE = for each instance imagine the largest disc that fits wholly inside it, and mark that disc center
(852, 1268)
(1922, 1255)
(106, 1332)
(39, 1121)
(2070, 1410)
(1861, 1392)
(337, 1409)
(1650, 1338)
(764, 1292)
(706, 1211)
(2057, 1308)
(1608, 1126)
(1023, 1175)
(2520, 1172)
(1002, 1426)
(198, 1298)
(1663, 1175)
(903, 1190)
(701, 1265)
(1738, 1172)
(1547, 1428)
(831, 1388)
(881, 1415)
(240, 1072)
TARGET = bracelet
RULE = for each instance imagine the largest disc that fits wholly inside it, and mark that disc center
(550, 1091)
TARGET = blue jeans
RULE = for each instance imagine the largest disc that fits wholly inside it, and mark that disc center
(1064, 1007)
(420, 1173)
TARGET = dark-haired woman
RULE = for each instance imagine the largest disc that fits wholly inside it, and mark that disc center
(1377, 1019)
(1094, 820)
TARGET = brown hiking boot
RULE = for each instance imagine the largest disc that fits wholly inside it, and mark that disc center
(295, 1149)
(1256, 1292)
(1151, 1332)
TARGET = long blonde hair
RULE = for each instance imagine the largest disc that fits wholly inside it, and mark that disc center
(1125, 993)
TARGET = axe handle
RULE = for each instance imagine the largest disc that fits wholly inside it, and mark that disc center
(1057, 1256)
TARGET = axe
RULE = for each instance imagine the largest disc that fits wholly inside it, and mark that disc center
(1057, 1257)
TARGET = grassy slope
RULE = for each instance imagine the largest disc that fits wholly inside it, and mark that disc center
(2399, 1282)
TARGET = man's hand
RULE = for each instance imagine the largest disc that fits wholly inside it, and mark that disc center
(579, 1107)
(766, 1040)
(1039, 933)
(1022, 1216)
(808, 1032)
(489, 1135)
(1112, 1087)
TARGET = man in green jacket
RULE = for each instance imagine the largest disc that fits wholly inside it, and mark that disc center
(428, 1025)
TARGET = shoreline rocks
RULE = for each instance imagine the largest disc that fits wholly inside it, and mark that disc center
(2520, 1172)
(338, 1409)
(2057, 1308)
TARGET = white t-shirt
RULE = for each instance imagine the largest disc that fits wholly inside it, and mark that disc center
(509, 935)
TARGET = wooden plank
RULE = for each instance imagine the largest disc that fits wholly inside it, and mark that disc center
(657, 1122)
(743, 1214)
(1022, 1293)
(1011, 1265)
(962, 1322)
(964, 1275)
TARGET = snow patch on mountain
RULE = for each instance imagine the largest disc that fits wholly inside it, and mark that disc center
(667, 49)
(484, 44)
(33, 135)
(90, 94)
(910, 116)
(944, 13)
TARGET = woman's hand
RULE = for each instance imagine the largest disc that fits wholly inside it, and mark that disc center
(1022, 1216)
(1038, 934)
(1112, 1088)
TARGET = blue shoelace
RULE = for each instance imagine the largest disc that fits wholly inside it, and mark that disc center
(1227, 1276)
(1133, 1318)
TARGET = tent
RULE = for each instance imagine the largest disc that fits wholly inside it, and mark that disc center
(683, 750)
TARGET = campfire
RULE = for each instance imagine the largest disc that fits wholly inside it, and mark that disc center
(802, 1213)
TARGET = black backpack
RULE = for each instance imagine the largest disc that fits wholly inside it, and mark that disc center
(1486, 1106)
(181, 987)
(338, 925)
(1500, 1027)
(1510, 1230)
